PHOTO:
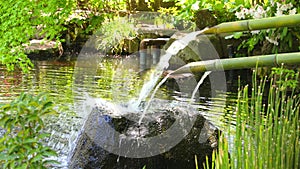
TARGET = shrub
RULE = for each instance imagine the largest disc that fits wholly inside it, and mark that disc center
(270, 40)
(21, 146)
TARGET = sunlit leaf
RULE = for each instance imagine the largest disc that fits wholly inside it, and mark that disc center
(38, 157)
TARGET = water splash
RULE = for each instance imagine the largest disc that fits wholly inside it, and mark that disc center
(152, 97)
(175, 47)
(162, 82)
(154, 77)
(199, 84)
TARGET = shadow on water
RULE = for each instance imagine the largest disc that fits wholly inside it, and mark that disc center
(116, 81)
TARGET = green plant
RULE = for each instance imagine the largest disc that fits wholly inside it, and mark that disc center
(21, 21)
(112, 34)
(22, 144)
(288, 82)
(267, 133)
(107, 6)
(270, 40)
(221, 10)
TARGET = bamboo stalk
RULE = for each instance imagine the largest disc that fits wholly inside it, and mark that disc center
(255, 24)
(240, 63)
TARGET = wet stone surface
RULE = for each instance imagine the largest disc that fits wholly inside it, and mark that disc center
(94, 140)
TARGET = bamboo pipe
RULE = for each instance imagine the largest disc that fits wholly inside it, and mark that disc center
(240, 63)
(255, 24)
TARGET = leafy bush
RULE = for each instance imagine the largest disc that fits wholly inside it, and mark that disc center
(270, 40)
(21, 21)
(21, 146)
(220, 9)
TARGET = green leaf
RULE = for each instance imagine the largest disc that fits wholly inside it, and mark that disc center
(23, 166)
(36, 158)
(284, 33)
(33, 117)
(237, 35)
(43, 135)
(27, 147)
(3, 120)
(47, 162)
(5, 107)
(289, 36)
(30, 140)
(5, 157)
(49, 153)
(47, 106)
(50, 113)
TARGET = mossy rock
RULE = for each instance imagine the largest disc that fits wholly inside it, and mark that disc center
(204, 18)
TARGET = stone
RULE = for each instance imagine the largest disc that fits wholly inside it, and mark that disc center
(131, 45)
(204, 18)
(88, 154)
(203, 47)
(43, 49)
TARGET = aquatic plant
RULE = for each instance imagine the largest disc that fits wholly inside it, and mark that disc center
(267, 130)
(22, 144)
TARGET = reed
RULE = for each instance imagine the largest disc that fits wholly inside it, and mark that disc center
(267, 130)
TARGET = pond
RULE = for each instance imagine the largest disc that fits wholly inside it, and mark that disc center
(113, 80)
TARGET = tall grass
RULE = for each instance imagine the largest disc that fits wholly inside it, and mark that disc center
(267, 128)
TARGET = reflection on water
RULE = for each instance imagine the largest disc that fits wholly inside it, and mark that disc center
(116, 80)
(53, 77)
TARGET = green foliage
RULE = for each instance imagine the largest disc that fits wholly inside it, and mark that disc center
(270, 40)
(172, 19)
(21, 146)
(222, 10)
(112, 34)
(285, 78)
(22, 20)
(266, 134)
(94, 13)
(106, 6)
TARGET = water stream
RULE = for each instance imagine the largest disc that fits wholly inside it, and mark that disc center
(152, 97)
(199, 84)
(175, 47)
(154, 77)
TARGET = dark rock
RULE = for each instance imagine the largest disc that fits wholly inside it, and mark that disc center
(204, 18)
(89, 154)
(203, 47)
